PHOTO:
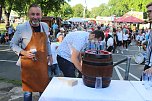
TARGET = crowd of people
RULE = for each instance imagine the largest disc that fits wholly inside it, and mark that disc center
(7, 36)
(117, 36)
(31, 43)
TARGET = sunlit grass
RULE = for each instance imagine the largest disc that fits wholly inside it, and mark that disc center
(15, 82)
(3, 27)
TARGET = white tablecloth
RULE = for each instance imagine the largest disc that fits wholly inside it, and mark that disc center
(146, 93)
(58, 90)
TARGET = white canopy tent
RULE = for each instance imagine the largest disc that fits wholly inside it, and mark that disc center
(77, 20)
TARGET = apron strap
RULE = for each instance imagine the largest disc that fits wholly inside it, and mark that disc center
(43, 28)
(40, 28)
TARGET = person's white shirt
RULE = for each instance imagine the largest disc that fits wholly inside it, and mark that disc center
(120, 35)
(77, 40)
(140, 38)
(54, 46)
(110, 42)
(125, 36)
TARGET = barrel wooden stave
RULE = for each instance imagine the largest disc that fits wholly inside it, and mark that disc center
(97, 65)
(90, 81)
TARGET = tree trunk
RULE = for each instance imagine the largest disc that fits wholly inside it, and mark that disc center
(7, 20)
(0, 13)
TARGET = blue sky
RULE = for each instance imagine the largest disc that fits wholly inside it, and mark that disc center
(90, 3)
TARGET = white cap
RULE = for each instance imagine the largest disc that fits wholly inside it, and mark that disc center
(89, 30)
(62, 29)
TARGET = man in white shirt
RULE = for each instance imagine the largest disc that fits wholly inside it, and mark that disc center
(125, 40)
(69, 51)
(54, 68)
(120, 39)
(10, 32)
(110, 44)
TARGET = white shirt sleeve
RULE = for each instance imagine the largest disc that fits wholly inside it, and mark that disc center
(78, 44)
(110, 42)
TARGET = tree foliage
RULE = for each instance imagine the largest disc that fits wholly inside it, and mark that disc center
(7, 7)
(119, 7)
(78, 10)
(21, 6)
(64, 10)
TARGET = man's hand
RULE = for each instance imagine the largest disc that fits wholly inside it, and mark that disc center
(50, 60)
(28, 54)
(148, 71)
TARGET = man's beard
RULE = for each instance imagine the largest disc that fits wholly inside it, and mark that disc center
(36, 22)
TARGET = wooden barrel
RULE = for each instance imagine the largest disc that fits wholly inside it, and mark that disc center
(96, 66)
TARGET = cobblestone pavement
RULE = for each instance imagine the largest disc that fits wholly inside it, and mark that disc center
(10, 92)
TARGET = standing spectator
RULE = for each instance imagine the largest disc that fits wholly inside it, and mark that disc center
(115, 39)
(109, 40)
(10, 31)
(140, 38)
(110, 43)
(54, 69)
(55, 29)
(145, 42)
(148, 62)
(61, 32)
(130, 33)
(125, 40)
(69, 51)
(6, 37)
(3, 38)
(31, 43)
(120, 40)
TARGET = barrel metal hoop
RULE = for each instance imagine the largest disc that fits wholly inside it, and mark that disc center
(98, 56)
(93, 78)
(97, 63)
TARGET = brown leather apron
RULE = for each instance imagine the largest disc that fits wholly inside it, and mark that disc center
(35, 73)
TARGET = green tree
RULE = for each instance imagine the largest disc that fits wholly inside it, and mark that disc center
(118, 7)
(78, 10)
(7, 7)
(94, 12)
(66, 11)
(88, 13)
(0, 13)
(21, 7)
(50, 5)
(121, 7)
(103, 10)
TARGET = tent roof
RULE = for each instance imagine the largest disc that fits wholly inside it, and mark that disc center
(129, 19)
(77, 20)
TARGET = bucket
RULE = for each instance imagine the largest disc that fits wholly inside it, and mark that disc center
(97, 65)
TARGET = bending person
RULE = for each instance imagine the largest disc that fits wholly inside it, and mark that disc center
(69, 51)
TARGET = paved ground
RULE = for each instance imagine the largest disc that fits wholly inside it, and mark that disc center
(8, 69)
(10, 92)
